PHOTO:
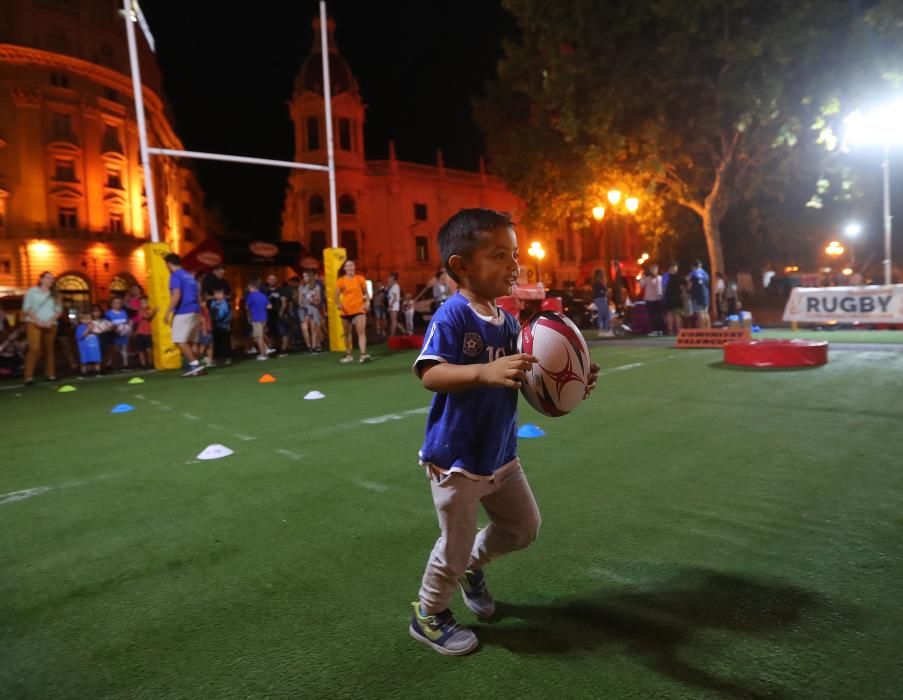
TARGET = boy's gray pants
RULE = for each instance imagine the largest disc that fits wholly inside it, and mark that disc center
(514, 524)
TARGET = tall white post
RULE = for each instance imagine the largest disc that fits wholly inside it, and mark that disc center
(130, 19)
(330, 152)
(885, 165)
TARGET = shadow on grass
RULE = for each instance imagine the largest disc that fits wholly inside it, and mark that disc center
(742, 368)
(654, 624)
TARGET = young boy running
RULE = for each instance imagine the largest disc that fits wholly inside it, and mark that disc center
(470, 450)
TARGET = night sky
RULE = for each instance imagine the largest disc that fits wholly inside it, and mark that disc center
(228, 74)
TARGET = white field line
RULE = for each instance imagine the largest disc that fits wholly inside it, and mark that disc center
(24, 494)
(621, 368)
(190, 416)
(370, 485)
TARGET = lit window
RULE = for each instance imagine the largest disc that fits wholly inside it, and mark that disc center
(313, 134)
(316, 206)
(347, 205)
(65, 170)
(420, 212)
(116, 223)
(59, 80)
(67, 217)
(114, 178)
(349, 243)
(317, 243)
(111, 141)
(186, 209)
(62, 126)
(422, 246)
(345, 134)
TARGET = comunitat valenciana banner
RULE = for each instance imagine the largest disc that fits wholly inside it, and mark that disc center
(846, 304)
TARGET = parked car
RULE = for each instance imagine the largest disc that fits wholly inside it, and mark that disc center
(577, 306)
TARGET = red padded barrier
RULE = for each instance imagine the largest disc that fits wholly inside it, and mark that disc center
(777, 353)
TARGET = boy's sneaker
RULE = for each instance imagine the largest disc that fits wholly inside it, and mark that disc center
(348, 358)
(364, 358)
(195, 371)
(262, 358)
(477, 597)
(441, 632)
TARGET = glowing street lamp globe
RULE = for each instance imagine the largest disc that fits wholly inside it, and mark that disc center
(599, 212)
(834, 249)
(614, 196)
(632, 204)
(852, 230)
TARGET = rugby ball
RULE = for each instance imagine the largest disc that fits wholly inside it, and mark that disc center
(101, 326)
(557, 383)
(123, 329)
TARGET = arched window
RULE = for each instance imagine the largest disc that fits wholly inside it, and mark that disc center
(347, 205)
(75, 292)
(349, 243)
(316, 206)
(121, 283)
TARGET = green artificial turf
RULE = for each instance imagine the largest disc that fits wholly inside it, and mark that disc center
(838, 336)
(706, 533)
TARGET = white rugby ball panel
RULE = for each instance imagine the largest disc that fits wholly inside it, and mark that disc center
(557, 383)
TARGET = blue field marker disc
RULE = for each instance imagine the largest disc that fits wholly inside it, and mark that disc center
(528, 430)
(122, 408)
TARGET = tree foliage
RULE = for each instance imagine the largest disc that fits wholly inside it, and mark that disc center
(698, 104)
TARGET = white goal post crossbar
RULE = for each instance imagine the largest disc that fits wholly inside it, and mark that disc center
(133, 15)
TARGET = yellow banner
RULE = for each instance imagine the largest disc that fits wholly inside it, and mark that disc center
(166, 354)
(333, 259)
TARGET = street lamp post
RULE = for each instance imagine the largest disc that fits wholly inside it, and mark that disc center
(881, 127)
(537, 252)
(852, 231)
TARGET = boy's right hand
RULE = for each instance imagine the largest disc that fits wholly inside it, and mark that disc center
(507, 372)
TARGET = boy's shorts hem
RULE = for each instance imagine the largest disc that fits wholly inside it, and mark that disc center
(439, 474)
(257, 329)
(185, 328)
(350, 317)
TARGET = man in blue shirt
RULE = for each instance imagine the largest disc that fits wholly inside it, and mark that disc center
(184, 312)
(470, 360)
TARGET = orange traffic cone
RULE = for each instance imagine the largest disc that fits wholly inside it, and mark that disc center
(267, 379)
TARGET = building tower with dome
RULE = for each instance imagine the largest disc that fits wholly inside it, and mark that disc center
(389, 211)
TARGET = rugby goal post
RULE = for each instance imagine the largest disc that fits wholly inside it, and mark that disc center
(332, 258)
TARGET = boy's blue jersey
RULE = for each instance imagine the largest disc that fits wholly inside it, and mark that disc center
(475, 430)
(221, 313)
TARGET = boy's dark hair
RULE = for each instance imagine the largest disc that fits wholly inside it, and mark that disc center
(462, 232)
(173, 259)
(254, 284)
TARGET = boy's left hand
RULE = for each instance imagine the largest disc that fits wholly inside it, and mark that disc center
(593, 376)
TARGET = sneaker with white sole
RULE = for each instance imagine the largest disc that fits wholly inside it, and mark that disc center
(441, 632)
(364, 358)
(262, 358)
(348, 358)
(477, 597)
(195, 371)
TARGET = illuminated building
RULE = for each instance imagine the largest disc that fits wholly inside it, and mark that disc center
(71, 182)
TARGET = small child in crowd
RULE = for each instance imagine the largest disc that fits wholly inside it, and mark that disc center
(119, 317)
(221, 316)
(143, 339)
(258, 305)
(88, 345)
(205, 335)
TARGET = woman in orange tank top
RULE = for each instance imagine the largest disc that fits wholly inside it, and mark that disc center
(353, 301)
